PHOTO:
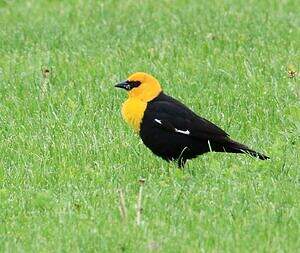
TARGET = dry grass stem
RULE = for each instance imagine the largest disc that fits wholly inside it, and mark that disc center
(122, 206)
(139, 208)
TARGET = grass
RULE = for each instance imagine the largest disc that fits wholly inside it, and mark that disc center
(65, 151)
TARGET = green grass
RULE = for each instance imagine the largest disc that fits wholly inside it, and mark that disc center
(65, 151)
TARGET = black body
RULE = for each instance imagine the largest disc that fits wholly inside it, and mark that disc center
(174, 132)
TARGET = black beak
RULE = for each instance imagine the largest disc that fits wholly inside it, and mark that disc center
(124, 85)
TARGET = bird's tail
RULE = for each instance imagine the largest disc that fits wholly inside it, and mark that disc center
(236, 147)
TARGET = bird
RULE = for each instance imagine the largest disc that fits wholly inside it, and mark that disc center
(170, 129)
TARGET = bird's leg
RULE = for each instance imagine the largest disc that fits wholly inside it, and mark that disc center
(181, 162)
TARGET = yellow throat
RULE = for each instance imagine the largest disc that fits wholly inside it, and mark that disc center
(133, 112)
(134, 107)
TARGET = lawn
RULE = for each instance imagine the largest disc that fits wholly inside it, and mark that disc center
(65, 152)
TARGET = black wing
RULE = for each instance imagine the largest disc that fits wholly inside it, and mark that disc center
(171, 115)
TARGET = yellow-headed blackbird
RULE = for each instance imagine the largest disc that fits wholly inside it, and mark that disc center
(170, 129)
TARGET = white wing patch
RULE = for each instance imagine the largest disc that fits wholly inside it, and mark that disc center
(158, 121)
(187, 132)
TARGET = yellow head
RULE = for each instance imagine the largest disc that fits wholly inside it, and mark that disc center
(141, 86)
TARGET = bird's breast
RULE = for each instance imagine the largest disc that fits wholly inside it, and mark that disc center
(133, 112)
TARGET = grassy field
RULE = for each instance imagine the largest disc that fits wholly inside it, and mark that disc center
(65, 151)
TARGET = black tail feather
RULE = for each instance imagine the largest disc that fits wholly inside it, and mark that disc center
(235, 147)
(255, 154)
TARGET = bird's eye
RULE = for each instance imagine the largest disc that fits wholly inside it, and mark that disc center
(135, 84)
(132, 84)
